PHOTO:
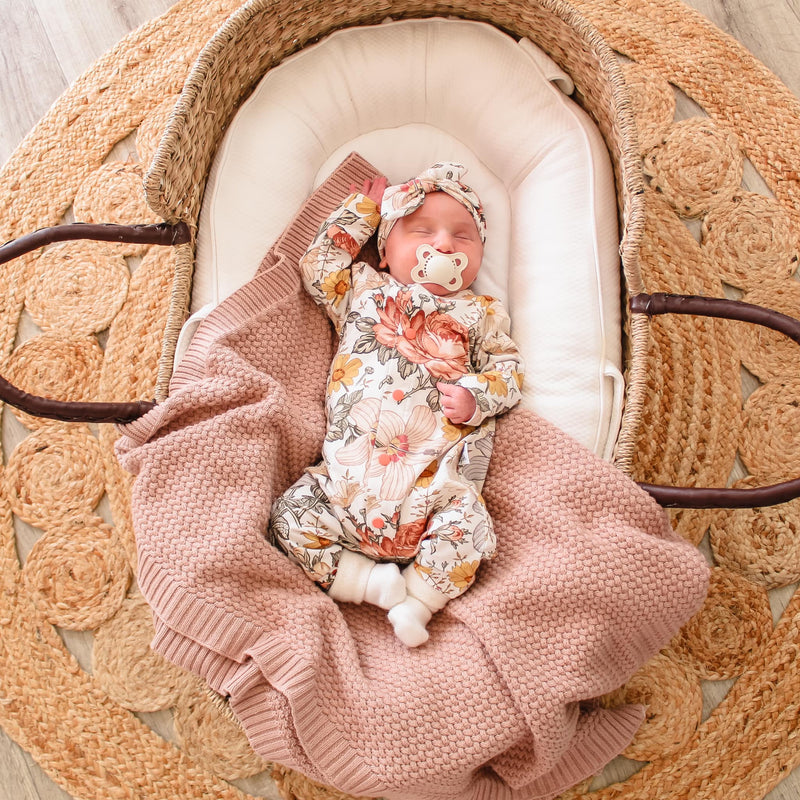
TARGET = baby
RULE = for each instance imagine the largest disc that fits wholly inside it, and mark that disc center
(422, 368)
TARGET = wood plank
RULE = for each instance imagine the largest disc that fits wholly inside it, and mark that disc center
(80, 28)
(21, 777)
(30, 75)
(769, 29)
(14, 772)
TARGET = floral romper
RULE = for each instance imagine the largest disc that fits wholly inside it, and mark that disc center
(398, 481)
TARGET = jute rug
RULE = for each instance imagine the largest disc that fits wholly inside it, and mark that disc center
(91, 319)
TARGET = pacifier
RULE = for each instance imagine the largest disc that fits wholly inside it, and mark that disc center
(443, 269)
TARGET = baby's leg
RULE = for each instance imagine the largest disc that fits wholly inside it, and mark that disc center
(303, 525)
(306, 528)
(459, 537)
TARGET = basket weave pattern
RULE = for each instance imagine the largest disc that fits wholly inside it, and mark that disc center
(67, 552)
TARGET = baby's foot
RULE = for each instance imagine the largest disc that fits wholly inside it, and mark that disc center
(386, 587)
(409, 619)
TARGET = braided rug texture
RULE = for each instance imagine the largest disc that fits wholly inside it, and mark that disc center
(94, 315)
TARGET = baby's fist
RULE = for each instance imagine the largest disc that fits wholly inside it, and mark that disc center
(457, 402)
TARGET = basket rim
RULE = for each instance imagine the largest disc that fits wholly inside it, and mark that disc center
(631, 195)
(204, 67)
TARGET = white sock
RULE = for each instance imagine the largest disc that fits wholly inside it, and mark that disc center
(409, 620)
(411, 617)
(386, 587)
(360, 579)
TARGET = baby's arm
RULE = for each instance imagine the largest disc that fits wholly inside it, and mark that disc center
(325, 266)
(496, 385)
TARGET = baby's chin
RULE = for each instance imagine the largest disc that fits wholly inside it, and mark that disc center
(440, 291)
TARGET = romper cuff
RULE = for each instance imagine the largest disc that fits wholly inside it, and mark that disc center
(352, 573)
(417, 587)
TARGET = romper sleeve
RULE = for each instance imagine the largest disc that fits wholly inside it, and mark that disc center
(326, 265)
(496, 383)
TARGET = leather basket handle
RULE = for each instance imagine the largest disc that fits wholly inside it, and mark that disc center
(686, 497)
(67, 411)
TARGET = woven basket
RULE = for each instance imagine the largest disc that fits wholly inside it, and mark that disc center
(262, 33)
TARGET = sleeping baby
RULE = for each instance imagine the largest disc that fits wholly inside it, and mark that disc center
(422, 368)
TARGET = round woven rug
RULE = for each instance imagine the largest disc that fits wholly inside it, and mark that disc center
(79, 688)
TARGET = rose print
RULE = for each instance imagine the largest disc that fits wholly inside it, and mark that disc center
(405, 543)
(343, 240)
(436, 339)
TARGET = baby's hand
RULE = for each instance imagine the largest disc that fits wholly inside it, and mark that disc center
(457, 402)
(373, 189)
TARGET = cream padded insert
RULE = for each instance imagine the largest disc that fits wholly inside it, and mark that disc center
(405, 95)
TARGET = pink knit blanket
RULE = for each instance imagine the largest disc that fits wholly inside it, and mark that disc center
(590, 580)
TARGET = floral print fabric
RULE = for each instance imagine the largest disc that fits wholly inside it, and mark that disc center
(398, 481)
(405, 198)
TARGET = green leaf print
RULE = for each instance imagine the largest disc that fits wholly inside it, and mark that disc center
(405, 368)
(362, 324)
(366, 344)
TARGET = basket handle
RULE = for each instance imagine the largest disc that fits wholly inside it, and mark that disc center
(685, 497)
(162, 234)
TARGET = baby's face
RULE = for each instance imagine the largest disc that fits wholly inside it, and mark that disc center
(442, 222)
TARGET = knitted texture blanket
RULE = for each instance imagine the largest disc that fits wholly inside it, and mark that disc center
(590, 581)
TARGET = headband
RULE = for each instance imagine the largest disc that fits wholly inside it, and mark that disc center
(405, 198)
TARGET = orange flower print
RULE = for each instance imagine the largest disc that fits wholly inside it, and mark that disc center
(518, 378)
(343, 371)
(343, 240)
(495, 384)
(421, 570)
(436, 339)
(463, 575)
(426, 477)
(368, 208)
(336, 285)
(315, 541)
(455, 432)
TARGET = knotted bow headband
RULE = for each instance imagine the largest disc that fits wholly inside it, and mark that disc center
(405, 198)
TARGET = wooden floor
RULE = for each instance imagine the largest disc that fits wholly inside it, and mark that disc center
(46, 44)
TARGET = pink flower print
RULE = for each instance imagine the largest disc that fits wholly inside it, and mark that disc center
(364, 418)
(436, 339)
(393, 447)
(401, 446)
(343, 240)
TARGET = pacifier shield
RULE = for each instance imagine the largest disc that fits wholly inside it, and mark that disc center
(443, 269)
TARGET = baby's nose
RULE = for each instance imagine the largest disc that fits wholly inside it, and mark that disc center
(444, 242)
